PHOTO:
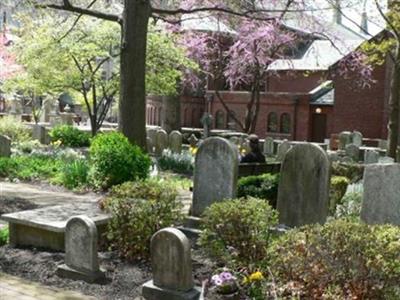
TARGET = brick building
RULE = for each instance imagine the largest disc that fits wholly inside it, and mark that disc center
(303, 100)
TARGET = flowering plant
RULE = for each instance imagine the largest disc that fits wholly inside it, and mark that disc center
(254, 283)
(225, 282)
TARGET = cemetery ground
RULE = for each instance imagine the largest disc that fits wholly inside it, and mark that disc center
(96, 209)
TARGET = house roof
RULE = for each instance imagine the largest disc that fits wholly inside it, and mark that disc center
(204, 22)
(324, 94)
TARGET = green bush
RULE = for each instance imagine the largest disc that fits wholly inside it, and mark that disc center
(338, 188)
(114, 160)
(74, 174)
(237, 231)
(262, 186)
(354, 172)
(69, 136)
(342, 260)
(14, 129)
(350, 206)
(139, 209)
(178, 163)
(4, 234)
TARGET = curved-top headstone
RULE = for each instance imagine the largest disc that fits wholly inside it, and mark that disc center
(215, 173)
(171, 260)
(303, 194)
(345, 138)
(269, 146)
(357, 138)
(175, 141)
(161, 141)
(283, 148)
(353, 151)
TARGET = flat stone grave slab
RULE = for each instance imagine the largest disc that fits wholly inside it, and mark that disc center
(45, 227)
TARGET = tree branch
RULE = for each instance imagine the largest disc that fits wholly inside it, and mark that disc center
(67, 6)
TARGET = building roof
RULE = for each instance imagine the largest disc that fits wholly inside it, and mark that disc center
(204, 22)
(323, 94)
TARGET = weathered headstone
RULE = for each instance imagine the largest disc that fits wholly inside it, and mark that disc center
(175, 141)
(215, 173)
(303, 195)
(269, 146)
(344, 139)
(357, 138)
(81, 260)
(371, 157)
(193, 140)
(353, 151)
(383, 144)
(283, 148)
(40, 133)
(381, 198)
(386, 160)
(152, 133)
(5, 146)
(172, 268)
(333, 156)
(149, 145)
(161, 141)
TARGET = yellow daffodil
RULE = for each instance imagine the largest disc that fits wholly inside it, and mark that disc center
(256, 276)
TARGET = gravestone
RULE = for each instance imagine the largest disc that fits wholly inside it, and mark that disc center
(149, 145)
(5, 146)
(152, 133)
(383, 144)
(269, 146)
(215, 173)
(193, 140)
(175, 141)
(333, 156)
(371, 157)
(81, 261)
(283, 148)
(381, 197)
(357, 138)
(172, 268)
(161, 141)
(303, 195)
(40, 133)
(344, 139)
(353, 151)
(386, 160)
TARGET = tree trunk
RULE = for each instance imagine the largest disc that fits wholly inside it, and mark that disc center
(394, 99)
(132, 104)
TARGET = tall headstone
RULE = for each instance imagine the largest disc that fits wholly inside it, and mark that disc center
(371, 157)
(152, 133)
(303, 194)
(283, 148)
(381, 197)
(269, 146)
(353, 151)
(344, 139)
(175, 141)
(215, 173)
(5, 146)
(357, 138)
(172, 268)
(149, 145)
(161, 141)
(41, 134)
(383, 144)
(81, 260)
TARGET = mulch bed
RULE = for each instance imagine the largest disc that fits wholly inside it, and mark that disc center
(9, 205)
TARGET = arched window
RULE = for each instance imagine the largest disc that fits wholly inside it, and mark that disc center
(219, 120)
(285, 123)
(272, 123)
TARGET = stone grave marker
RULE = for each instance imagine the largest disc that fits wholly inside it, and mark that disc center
(386, 160)
(149, 145)
(283, 148)
(381, 197)
(5, 146)
(344, 139)
(193, 140)
(172, 268)
(152, 133)
(303, 194)
(357, 138)
(353, 151)
(269, 146)
(215, 173)
(371, 157)
(81, 260)
(40, 133)
(161, 141)
(175, 141)
(383, 144)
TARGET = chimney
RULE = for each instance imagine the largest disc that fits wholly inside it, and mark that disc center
(337, 12)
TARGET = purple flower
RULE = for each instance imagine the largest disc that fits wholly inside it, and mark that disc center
(225, 276)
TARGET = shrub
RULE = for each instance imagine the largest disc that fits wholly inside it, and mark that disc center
(14, 129)
(350, 206)
(74, 174)
(237, 231)
(262, 186)
(139, 209)
(342, 259)
(179, 163)
(338, 188)
(4, 234)
(69, 136)
(354, 172)
(114, 160)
